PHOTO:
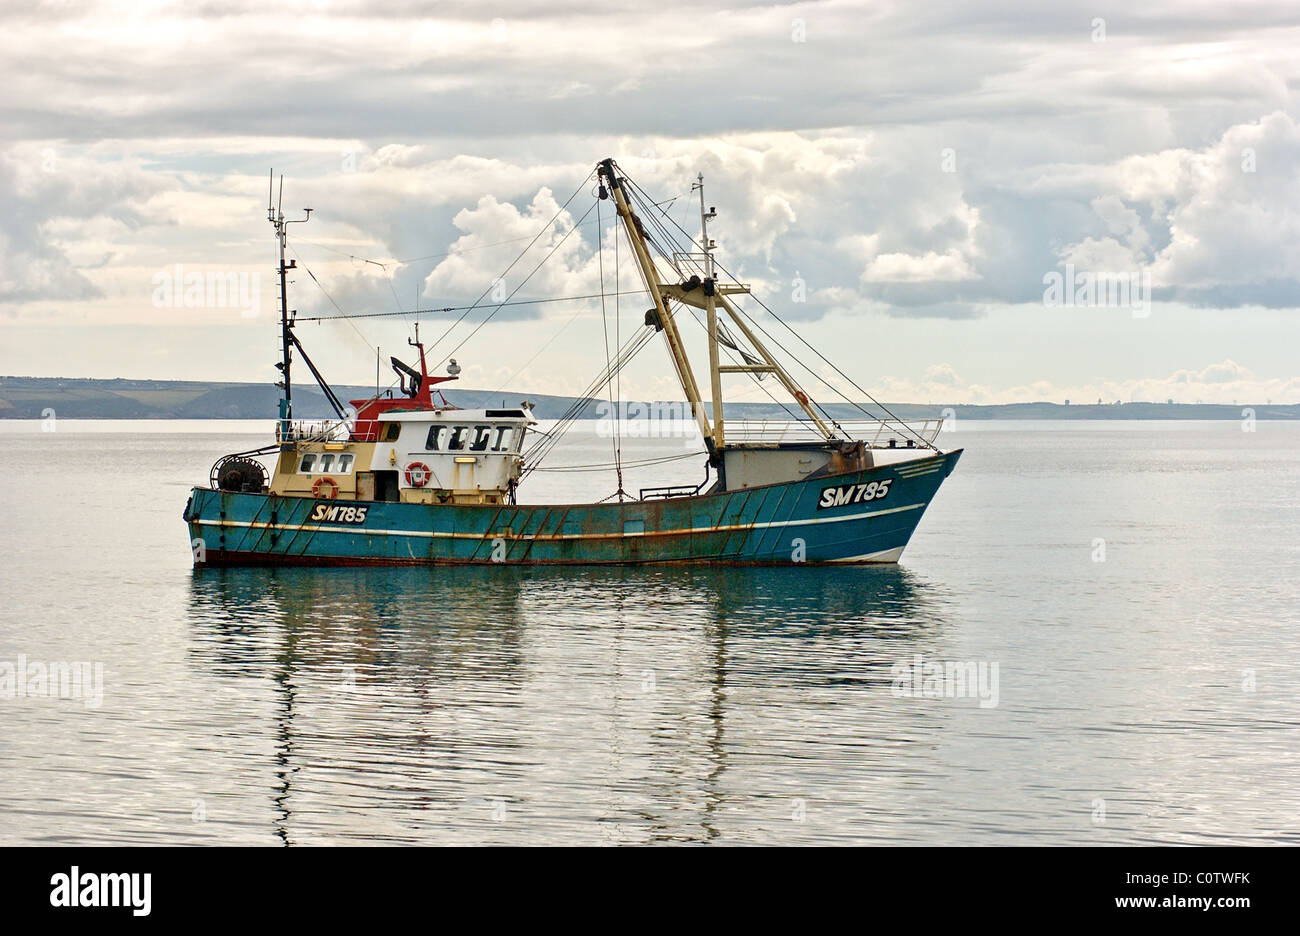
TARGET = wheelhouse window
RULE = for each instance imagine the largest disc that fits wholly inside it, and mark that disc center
(491, 438)
(391, 431)
(326, 463)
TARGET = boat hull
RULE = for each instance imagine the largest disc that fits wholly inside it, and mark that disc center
(833, 519)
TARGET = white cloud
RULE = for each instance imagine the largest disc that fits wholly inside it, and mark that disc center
(911, 164)
(51, 200)
(950, 267)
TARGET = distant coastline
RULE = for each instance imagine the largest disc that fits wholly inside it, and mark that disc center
(84, 398)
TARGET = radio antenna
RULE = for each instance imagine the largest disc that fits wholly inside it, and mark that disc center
(275, 215)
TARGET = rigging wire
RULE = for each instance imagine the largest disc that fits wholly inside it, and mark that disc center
(392, 383)
(516, 302)
(602, 295)
(322, 288)
(641, 197)
(643, 202)
(664, 242)
(904, 427)
(487, 318)
(634, 346)
(523, 367)
(605, 466)
(570, 321)
(625, 354)
(805, 342)
(448, 253)
(543, 448)
(538, 452)
(536, 237)
(752, 376)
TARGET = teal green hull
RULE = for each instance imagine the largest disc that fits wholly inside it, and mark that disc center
(823, 520)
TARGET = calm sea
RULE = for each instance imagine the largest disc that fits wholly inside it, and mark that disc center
(1128, 591)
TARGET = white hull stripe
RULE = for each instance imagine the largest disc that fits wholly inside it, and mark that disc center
(886, 555)
(435, 534)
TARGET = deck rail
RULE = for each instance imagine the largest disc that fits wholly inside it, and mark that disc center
(317, 430)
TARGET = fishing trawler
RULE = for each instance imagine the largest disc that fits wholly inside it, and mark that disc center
(406, 477)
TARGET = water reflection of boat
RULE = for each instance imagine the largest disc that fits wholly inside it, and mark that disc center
(419, 617)
(354, 617)
(438, 693)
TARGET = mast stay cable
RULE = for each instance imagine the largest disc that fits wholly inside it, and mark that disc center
(522, 253)
(487, 318)
(905, 427)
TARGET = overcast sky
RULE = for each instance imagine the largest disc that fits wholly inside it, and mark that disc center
(913, 172)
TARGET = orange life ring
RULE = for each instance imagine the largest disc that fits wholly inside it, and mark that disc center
(324, 482)
(418, 474)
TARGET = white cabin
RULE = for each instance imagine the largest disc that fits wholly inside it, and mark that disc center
(443, 455)
(463, 450)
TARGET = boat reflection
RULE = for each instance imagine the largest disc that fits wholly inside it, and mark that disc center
(420, 696)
